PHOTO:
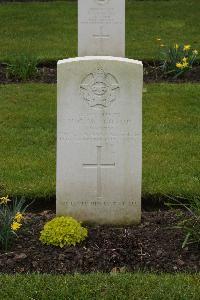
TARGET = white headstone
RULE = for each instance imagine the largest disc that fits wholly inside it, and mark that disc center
(99, 139)
(101, 27)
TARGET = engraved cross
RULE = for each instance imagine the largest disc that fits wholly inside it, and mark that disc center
(99, 165)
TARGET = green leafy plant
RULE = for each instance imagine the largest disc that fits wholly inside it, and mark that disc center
(63, 231)
(190, 224)
(11, 217)
(177, 59)
(22, 68)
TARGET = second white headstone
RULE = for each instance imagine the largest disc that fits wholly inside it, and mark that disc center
(101, 28)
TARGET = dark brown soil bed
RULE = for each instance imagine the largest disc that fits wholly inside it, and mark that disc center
(153, 74)
(48, 74)
(154, 245)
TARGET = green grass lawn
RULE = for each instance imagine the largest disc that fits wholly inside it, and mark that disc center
(49, 30)
(171, 126)
(137, 286)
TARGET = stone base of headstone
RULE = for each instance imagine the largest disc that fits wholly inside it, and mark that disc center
(99, 139)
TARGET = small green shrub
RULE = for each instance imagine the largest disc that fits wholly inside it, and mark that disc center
(22, 68)
(190, 224)
(63, 231)
(177, 59)
(11, 217)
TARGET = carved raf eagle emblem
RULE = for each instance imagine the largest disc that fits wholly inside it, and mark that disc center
(99, 89)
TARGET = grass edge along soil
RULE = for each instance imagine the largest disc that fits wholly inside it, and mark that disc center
(101, 286)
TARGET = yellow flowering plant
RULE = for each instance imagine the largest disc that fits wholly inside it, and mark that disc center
(11, 218)
(177, 59)
(62, 231)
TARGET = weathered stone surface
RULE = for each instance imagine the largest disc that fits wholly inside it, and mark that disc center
(99, 139)
(101, 27)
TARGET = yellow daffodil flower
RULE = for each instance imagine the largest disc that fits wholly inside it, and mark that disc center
(18, 217)
(4, 200)
(176, 46)
(186, 47)
(185, 65)
(15, 226)
(158, 39)
(179, 65)
(162, 45)
(195, 52)
(184, 59)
